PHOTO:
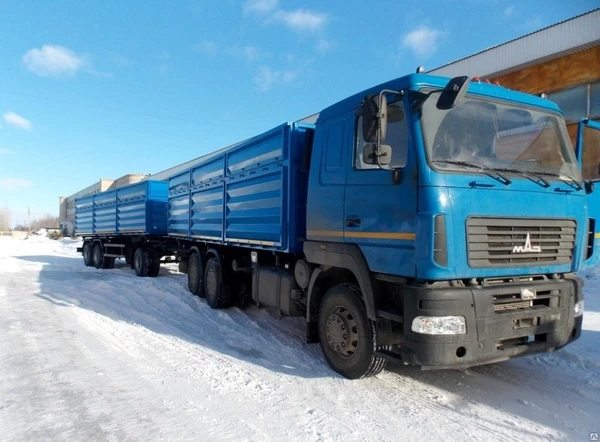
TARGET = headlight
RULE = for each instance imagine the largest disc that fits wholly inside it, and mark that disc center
(578, 308)
(439, 325)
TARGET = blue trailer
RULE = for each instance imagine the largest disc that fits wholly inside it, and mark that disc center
(434, 221)
(128, 222)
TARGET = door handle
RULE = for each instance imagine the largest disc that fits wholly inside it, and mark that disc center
(352, 221)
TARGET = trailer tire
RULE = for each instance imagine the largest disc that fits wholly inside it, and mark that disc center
(88, 256)
(218, 294)
(142, 262)
(348, 338)
(154, 266)
(109, 263)
(195, 275)
(98, 255)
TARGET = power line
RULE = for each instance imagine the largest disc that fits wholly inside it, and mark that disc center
(143, 114)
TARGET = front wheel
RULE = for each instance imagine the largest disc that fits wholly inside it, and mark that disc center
(348, 337)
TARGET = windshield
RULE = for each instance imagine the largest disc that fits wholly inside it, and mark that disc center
(497, 136)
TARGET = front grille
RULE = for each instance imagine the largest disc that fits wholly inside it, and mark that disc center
(503, 242)
(510, 302)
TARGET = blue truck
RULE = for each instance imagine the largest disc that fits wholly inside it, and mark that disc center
(427, 220)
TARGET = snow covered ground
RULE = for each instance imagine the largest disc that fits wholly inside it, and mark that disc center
(90, 354)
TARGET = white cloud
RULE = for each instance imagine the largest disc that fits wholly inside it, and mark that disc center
(324, 46)
(423, 41)
(253, 53)
(260, 6)
(17, 121)
(14, 184)
(53, 61)
(5, 151)
(301, 19)
(509, 11)
(250, 52)
(266, 78)
(208, 47)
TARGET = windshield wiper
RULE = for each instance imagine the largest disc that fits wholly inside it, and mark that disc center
(537, 179)
(480, 167)
(570, 181)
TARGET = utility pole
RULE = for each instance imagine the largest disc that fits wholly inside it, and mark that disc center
(28, 220)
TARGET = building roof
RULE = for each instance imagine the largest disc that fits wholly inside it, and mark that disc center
(563, 38)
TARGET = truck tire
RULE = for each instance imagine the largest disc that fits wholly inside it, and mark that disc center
(88, 256)
(218, 294)
(98, 254)
(142, 262)
(195, 275)
(155, 265)
(348, 337)
(109, 263)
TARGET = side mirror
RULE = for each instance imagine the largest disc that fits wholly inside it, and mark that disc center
(371, 153)
(453, 93)
(589, 186)
(374, 113)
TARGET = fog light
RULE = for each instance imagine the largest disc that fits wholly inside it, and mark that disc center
(439, 325)
(578, 310)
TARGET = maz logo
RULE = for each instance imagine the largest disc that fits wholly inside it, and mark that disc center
(528, 247)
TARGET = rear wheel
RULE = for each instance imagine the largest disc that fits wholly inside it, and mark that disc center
(88, 257)
(218, 294)
(142, 262)
(98, 256)
(155, 265)
(348, 337)
(195, 275)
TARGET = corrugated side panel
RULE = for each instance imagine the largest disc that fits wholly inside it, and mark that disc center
(179, 204)
(206, 212)
(105, 212)
(179, 216)
(254, 209)
(84, 215)
(131, 208)
(207, 172)
(241, 196)
(156, 223)
(256, 202)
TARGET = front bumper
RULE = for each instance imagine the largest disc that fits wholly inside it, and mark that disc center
(500, 325)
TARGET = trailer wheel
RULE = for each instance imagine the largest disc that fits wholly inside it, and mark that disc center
(142, 262)
(218, 294)
(98, 256)
(155, 265)
(88, 256)
(109, 263)
(348, 337)
(195, 275)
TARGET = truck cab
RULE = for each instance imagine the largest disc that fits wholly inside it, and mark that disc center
(458, 214)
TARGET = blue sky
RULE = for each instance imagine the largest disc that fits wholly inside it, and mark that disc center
(93, 90)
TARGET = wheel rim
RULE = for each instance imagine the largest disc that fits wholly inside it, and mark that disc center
(138, 261)
(211, 282)
(97, 254)
(341, 331)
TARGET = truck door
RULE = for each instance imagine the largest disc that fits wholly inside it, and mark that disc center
(588, 155)
(379, 214)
